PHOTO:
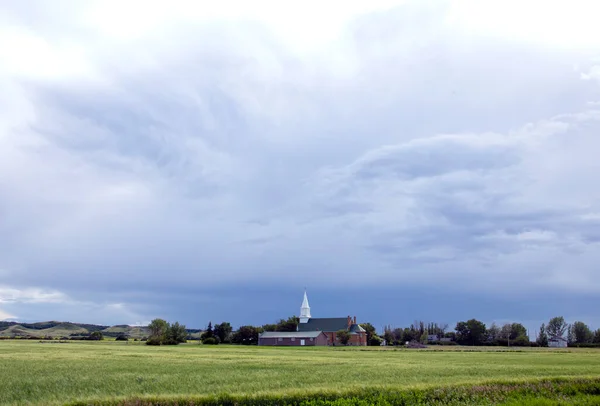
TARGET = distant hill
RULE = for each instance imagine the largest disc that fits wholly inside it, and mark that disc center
(59, 329)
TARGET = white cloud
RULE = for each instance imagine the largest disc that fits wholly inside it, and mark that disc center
(30, 295)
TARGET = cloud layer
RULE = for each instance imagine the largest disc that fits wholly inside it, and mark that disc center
(153, 158)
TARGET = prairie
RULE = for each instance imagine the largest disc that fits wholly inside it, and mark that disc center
(56, 373)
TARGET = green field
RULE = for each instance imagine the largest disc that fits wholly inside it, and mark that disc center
(56, 373)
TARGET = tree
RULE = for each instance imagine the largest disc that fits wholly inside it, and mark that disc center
(471, 332)
(388, 335)
(493, 333)
(246, 335)
(96, 335)
(408, 335)
(269, 327)
(557, 326)
(162, 333)
(343, 336)
(517, 330)
(208, 333)
(542, 338)
(291, 324)
(581, 333)
(370, 329)
(423, 338)
(570, 336)
(596, 339)
(223, 332)
(176, 333)
(158, 330)
(375, 341)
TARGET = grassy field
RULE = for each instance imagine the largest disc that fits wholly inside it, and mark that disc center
(56, 373)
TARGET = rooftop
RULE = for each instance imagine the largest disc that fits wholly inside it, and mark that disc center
(290, 334)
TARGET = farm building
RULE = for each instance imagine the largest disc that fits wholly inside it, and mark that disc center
(330, 326)
(316, 331)
(557, 342)
(306, 338)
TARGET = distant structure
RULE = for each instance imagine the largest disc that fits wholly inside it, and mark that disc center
(306, 338)
(304, 310)
(316, 331)
(557, 342)
(330, 326)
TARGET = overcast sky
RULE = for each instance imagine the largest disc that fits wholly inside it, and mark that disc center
(205, 161)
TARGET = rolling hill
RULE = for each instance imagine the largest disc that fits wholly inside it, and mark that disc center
(58, 329)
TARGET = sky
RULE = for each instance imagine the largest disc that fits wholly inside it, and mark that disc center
(401, 160)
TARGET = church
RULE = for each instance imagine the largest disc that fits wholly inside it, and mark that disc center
(316, 331)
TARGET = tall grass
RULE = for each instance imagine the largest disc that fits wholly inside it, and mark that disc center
(545, 392)
(39, 373)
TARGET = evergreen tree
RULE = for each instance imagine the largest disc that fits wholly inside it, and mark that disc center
(542, 338)
(209, 333)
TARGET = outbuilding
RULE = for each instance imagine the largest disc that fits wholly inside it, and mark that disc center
(286, 338)
(557, 342)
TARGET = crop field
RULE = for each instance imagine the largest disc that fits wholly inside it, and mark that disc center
(110, 373)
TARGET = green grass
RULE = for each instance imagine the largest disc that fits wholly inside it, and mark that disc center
(55, 373)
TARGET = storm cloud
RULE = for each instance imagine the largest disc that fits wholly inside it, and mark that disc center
(195, 162)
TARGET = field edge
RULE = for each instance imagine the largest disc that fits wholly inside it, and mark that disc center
(555, 390)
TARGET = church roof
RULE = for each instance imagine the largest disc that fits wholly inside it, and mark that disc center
(290, 334)
(356, 328)
(328, 325)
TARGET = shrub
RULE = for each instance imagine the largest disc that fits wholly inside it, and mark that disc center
(415, 344)
(211, 341)
(121, 337)
(585, 345)
(343, 336)
(444, 343)
(375, 340)
(153, 341)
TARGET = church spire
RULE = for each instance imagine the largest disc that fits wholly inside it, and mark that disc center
(304, 309)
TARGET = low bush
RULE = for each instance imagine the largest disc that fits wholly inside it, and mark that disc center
(153, 341)
(585, 345)
(211, 341)
(444, 343)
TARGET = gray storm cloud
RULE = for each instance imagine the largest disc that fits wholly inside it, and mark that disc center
(160, 154)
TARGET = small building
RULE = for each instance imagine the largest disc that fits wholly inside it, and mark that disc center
(299, 338)
(431, 338)
(557, 342)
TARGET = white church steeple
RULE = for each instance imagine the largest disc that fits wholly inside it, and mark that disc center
(304, 310)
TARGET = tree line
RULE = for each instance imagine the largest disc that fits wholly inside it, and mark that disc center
(470, 332)
(475, 332)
